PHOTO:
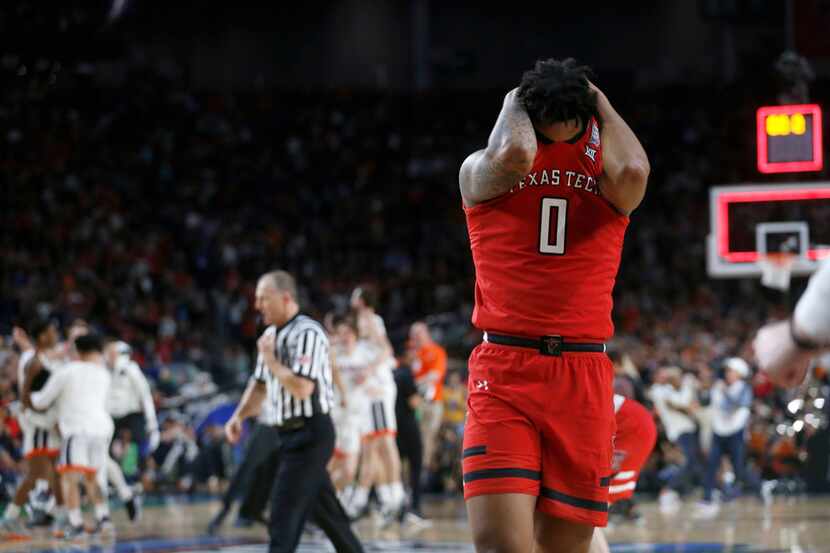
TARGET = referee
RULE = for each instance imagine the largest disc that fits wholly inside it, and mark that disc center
(295, 354)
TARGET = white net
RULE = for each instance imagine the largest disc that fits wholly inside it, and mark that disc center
(776, 270)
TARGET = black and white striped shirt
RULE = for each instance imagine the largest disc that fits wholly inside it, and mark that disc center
(303, 347)
(268, 412)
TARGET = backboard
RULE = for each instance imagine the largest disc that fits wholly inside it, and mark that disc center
(749, 221)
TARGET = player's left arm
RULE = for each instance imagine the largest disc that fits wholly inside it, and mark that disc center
(625, 163)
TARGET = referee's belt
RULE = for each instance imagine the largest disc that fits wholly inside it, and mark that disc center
(553, 345)
(292, 424)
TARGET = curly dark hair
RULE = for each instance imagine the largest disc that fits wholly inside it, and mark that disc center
(555, 91)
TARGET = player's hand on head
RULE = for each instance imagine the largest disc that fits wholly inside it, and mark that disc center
(777, 354)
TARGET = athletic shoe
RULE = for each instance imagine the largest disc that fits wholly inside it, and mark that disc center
(313, 532)
(104, 526)
(40, 519)
(60, 526)
(706, 510)
(74, 532)
(767, 489)
(216, 522)
(357, 514)
(133, 506)
(244, 522)
(13, 529)
(413, 521)
(669, 502)
(386, 517)
(624, 511)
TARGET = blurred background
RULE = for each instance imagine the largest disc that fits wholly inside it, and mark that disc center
(158, 157)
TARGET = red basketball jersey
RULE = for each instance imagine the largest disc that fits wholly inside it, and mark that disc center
(546, 253)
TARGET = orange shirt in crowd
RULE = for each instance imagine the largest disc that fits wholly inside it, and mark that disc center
(432, 359)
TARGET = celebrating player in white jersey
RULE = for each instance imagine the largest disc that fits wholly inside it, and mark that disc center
(80, 392)
(784, 349)
(379, 385)
(349, 359)
(40, 437)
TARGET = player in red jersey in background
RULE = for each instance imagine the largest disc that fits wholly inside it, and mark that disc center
(547, 204)
(635, 439)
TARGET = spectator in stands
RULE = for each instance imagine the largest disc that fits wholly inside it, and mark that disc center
(627, 381)
(171, 464)
(731, 401)
(703, 414)
(673, 397)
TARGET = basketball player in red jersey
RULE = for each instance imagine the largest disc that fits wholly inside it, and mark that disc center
(547, 204)
(634, 440)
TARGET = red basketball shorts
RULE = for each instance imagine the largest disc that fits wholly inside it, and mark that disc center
(636, 436)
(542, 426)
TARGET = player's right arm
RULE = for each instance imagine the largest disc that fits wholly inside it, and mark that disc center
(508, 157)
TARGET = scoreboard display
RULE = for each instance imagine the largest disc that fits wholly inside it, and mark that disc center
(789, 138)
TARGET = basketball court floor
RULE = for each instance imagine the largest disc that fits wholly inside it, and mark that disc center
(745, 526)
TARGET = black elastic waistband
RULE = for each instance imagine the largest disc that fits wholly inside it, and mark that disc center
(546, 345)
(297, 423)
(290, 425)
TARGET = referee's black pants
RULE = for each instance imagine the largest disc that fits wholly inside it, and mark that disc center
(263, 469)
(136, 424)
(303, 488)
(259, 464)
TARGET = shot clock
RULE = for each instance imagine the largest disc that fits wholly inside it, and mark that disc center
(789, 138)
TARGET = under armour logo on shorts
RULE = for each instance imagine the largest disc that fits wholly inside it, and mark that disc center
(482, 385)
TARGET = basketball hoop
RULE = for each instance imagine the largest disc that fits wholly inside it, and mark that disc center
(776, 269)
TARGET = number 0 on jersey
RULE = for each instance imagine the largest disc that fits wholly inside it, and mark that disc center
(560, 207)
